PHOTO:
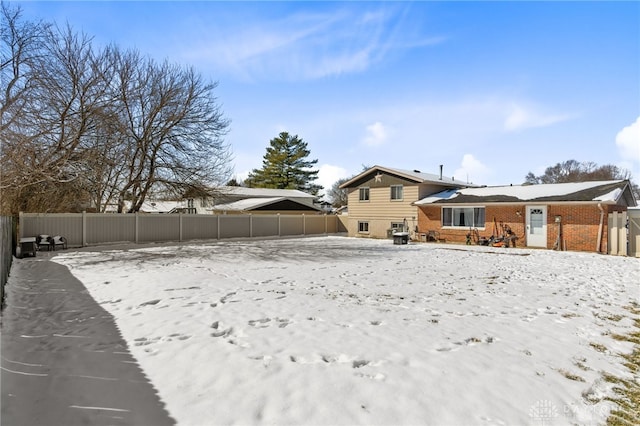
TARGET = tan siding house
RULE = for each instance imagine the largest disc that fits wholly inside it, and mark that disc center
(380, 200)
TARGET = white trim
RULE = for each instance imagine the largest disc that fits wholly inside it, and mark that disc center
(458, 206)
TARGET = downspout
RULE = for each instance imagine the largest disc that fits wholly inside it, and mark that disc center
(600, 228)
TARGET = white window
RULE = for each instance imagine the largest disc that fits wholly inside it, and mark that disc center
(363, 227)
(397, 226)
(396, 192)
(464, 217)
(364, 194)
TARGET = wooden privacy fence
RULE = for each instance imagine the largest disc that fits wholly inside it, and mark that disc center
(7, 226)
(84, 229)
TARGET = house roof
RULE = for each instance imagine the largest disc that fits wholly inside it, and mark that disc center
(154, 206)
(411, 175)
(263, 192)
(278, 203)
(608, 192)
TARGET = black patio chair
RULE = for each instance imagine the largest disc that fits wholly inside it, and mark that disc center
(58, 241)
(43, 242)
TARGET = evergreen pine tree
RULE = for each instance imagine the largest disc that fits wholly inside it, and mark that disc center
(285, 166)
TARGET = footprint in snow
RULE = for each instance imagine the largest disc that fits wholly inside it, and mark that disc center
(222, 333)
(283, 322)
(227, 297)
(150, 302)
(260, 323)
(359, 363)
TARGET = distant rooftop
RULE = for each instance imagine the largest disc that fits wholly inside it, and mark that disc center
(263, 192)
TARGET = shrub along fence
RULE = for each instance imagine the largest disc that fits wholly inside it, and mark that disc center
(85, 229)
(7, 244)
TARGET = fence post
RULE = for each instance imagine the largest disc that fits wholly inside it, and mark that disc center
(218, 216)
(180, 227)
(21, 227)
(136, 227)
(250, 225)
(304, 223)
(279, 225)
(84, 228)
(326, 229)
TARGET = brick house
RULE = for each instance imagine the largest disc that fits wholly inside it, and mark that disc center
(569, 216)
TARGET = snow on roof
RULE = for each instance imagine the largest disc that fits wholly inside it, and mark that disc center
(247, 204)
(428, 177)
(264, 192)
(414, 175)
(601, 191)
(610, 196)
(254, 203)
(159, 206)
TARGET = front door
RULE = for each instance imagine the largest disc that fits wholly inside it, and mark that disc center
(537, 226)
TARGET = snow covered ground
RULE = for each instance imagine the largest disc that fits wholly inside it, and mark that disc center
(336, 330)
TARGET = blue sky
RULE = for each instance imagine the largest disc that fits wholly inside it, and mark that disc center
(491, 90)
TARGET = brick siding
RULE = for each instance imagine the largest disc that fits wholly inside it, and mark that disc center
(580, 223)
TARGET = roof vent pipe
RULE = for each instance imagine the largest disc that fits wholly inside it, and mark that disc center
(441, 171)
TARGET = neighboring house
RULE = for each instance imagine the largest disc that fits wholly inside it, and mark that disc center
(380, 199)
(160, 206)
(236, 199)
(570, 216)
(267, 205)
(232, 199)
(151, 206)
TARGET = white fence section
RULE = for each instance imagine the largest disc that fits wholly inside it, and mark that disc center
(618, 233)
(634, 232)
(85, 229)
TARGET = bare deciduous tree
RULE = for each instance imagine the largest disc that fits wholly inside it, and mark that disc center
(20, 50)
(90, 128)
(338, 196)
(173, 130)
(575, 171)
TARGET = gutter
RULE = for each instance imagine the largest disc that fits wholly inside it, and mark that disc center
(600, 228)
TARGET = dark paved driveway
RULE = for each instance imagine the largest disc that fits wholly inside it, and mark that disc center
(64, 361)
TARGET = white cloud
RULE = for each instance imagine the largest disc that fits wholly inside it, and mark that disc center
(628, 143)
(306, 45)
(241, 176)
(472, 169)
(329, 174)
(376, 134)
(520, 117)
